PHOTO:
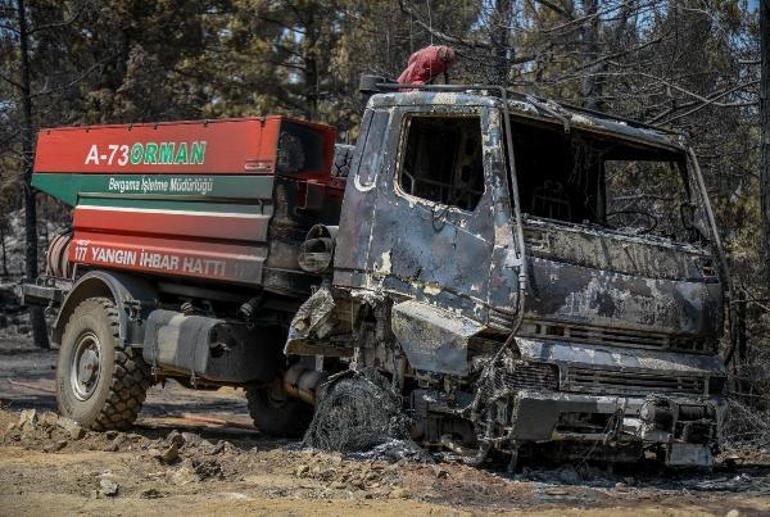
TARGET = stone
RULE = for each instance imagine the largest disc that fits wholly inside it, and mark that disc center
(440, 473)
(108, 487)
(195, 440)
(49, 419)
(74, 429)
(168, 455)
(733, 513)
(28, 419)
(206, 468)
(184, 476)
(176, 438)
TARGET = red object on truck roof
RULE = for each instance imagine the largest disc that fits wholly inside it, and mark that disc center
(427, 63)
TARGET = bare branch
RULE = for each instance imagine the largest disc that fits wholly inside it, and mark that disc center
(555, 8)
(576, 22)
(63, 23)
(11, 82)
(49, 91)
(439, 34)
(713, 100)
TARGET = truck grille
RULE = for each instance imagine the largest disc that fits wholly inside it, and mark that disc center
(539, 376)
(509, 376)
(532, 375)
(630, 382)
(614, 337)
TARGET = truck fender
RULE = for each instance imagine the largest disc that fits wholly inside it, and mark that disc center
(434, 340)
(132, 296)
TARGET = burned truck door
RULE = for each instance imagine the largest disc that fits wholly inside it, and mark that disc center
(426, 222)
(432, 232)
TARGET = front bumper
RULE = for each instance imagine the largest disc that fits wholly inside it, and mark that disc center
(685, 429)
(617, 395)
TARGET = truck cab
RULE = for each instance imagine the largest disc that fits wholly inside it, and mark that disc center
(529, 276)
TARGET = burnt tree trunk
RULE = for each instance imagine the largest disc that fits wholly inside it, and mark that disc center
(764, 109)
(37, 320)
(500, 36)
(3, 253)
(591, 87)
(310, 62)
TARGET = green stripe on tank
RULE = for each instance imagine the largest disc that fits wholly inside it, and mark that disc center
(146, 190)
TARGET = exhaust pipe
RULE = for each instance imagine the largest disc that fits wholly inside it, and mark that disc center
(303, 383)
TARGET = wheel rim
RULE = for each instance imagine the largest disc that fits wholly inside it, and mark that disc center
(85, 369)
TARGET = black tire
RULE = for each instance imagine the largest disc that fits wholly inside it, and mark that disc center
(112, 397)
(343, 155)
(275, 413)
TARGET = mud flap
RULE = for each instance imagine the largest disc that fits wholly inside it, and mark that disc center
(433, 340)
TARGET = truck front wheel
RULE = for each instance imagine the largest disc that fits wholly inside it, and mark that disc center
(101, 383)
(275, 413)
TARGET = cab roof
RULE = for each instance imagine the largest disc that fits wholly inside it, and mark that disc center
(535, 108)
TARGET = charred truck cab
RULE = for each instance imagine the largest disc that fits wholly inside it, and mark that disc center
(528, 275)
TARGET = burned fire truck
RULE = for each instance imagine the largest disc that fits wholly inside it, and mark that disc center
(520, 274)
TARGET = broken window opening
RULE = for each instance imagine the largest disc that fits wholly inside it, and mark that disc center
(443, 160)
(646, 197)
(585, 178)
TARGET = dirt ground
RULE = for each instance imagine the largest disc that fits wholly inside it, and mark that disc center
(193, 452)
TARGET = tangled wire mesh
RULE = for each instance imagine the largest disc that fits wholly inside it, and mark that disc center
(356, 412)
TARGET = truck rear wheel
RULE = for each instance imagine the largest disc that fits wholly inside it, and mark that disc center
(101, 383)
(275, 413)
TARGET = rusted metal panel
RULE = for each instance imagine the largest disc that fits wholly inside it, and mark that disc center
(570, 293)
(608, 250)
(618, 357)
(434, 340)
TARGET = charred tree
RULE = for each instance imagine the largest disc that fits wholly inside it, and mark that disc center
(764, 109)
(37, 320)
(3, 254)
(500, 35)
(591, 87)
